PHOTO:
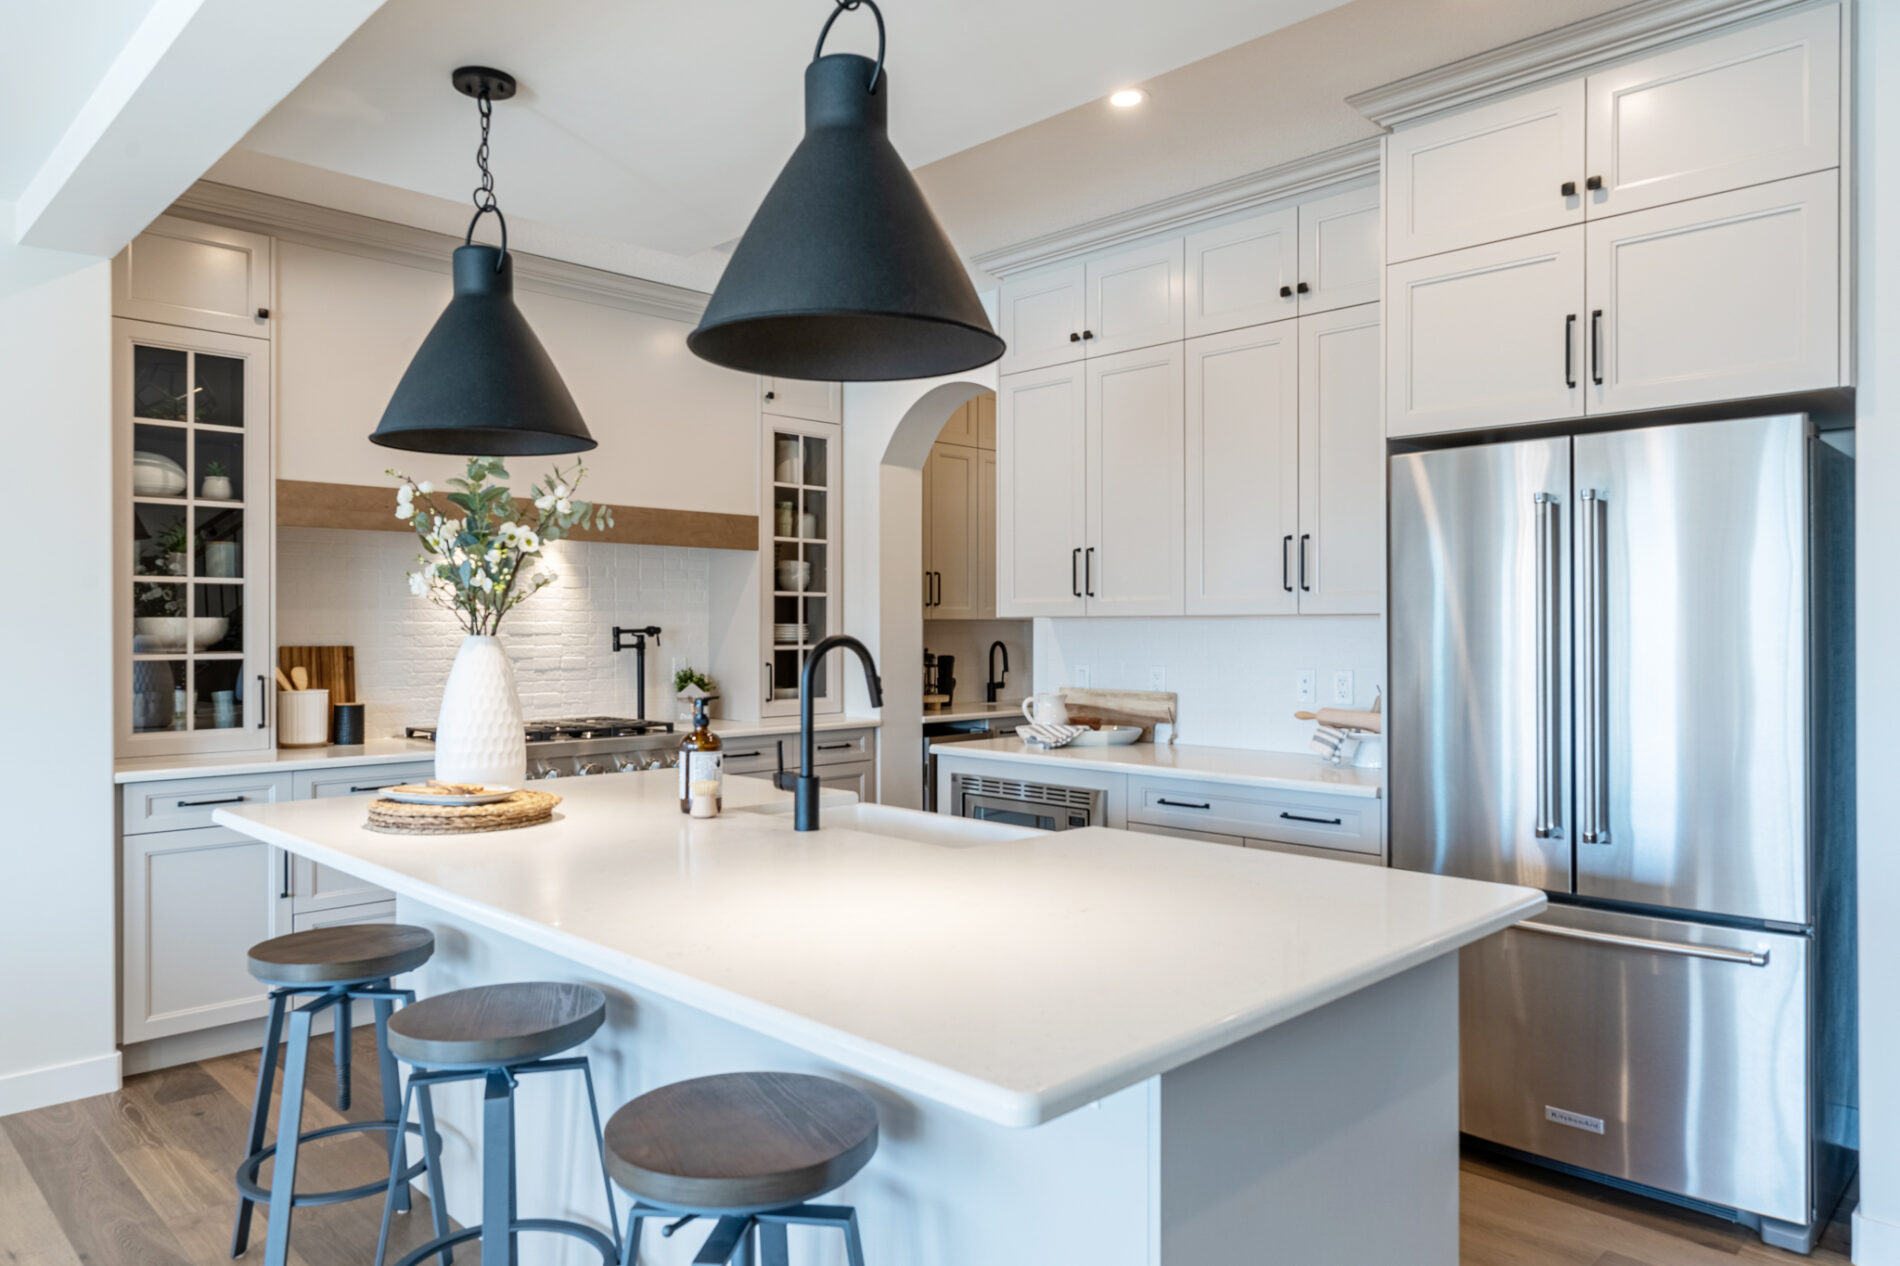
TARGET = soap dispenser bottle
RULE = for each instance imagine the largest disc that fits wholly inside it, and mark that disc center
(702, 764)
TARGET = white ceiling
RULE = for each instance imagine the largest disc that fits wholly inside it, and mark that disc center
(61, 52)
(656, 127)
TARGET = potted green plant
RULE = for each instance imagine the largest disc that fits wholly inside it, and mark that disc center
(217, 483)
(481, 557)
(690, 684)
(174, 543)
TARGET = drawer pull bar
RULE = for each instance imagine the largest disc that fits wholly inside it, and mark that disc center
(1183, 804)
(1751, 958)
(834, 747)
(373, 786)
(199, 804)
(284, 891)
(1300, 817)
(744, 755)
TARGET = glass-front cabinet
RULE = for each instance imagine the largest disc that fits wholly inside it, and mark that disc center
(192, 470)
(800, 567)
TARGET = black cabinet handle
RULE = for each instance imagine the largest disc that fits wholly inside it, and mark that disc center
(1286, 566)
(1075, 571)
(283, 889)
(1182, 804)
(1304, 538)
(1569, 189)
(360, 787)
(769, 692)
(744, 755)
(1286, 292)
(1302, 288)
(1595, 182)
(1596, 339)
(1296, 817)
(1088, 571)
(1074, 337)
(1088, 333)
(936, 580)
(199, 804)
(1570, 329)
(263, 314)
(834, 747)
(263, 693)
(771, 395)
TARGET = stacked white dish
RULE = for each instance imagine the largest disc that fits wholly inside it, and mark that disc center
(786, 634)
(156, 475)
(793, 575)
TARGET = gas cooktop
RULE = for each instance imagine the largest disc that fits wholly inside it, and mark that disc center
(566, 729)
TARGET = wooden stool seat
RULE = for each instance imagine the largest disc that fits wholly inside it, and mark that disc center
(492, 1026)
(741, 1141)
(355, 951)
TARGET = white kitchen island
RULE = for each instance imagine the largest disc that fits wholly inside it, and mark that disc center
(1093, 1047)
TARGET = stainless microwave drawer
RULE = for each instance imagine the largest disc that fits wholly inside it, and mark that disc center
(1662, 1052)
(1342, 823)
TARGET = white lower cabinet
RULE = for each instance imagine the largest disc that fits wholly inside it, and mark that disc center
(315, 887)
(372, 912)
(1489, 336)
(1722, 297)
(857, 777)
(1132, 560)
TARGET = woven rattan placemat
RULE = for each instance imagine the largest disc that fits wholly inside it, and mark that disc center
(524, 808)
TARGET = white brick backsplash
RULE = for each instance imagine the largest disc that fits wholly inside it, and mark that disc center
(348, 588)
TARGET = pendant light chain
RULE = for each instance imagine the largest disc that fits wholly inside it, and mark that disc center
(484, 193)
(845, 6)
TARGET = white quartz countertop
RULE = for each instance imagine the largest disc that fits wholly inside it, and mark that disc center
(1003, 710)
(1282, 771)
(389, 751)
(1014, 975)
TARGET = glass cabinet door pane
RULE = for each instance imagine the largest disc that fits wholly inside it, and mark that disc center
(217, 472)
(217, 398)
(161, 542)
(218, 544)
(817, 470)
(161, 386)
(218, 685)
(159, 458)
(786, 458)
(217, 623)
(812, 523)
(157, 685)
(161, 610)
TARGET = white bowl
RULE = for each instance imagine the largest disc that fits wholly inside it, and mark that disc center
(156, 475)
(167, 632)
(794, 575)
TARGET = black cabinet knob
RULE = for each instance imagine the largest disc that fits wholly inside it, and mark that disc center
(1302, 287)
(1570, 189)
(1088, 333)
(263, 314)
(771, 395)
(1286, 292)
(1074, 337)
(1595, 182)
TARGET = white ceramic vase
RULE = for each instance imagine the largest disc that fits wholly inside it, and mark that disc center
(478, 734)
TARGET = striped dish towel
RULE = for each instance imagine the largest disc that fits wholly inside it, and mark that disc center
(1327, 741)
(1050, 735)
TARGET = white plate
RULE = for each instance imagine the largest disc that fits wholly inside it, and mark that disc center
(413, 795)
(1108, 736)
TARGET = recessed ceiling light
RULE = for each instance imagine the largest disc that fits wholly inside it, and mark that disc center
(1127, 97)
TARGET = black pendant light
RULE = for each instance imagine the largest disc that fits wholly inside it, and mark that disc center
(481, 384)
(844, 272)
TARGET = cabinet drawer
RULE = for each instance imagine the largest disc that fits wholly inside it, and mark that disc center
(1181, 833)
(371, 912)
(359, 780)
(182, 804)
(1325, 854)
(836, 747)
(759, 754)
(1350, 824)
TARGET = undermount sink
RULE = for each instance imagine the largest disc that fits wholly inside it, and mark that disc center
(911, 824)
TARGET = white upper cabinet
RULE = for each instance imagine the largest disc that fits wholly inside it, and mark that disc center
(1340, 555)
(1042, 318)
(1041, 526)
(1720, 297)
(950, 532)
(179, 272)
(1243, 459)
(1135, 298)
(1493, 171)
(1132, 564)
(1755, 105)
(1339, 251)
(1489, 336)
(1243, 273)
(986, 531)
(803, 398)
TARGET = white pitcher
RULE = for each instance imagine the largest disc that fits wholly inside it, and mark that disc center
(1046, 710)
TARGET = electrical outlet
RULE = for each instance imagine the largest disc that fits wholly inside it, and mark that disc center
(1157, 679)
(1303, 686)
(1081, 675)
(1342, 688)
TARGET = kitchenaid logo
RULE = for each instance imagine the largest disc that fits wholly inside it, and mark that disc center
(1575, 1120)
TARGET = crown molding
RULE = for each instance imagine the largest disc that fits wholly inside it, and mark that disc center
(330, 229)
(1294, 179)
(1566, 51)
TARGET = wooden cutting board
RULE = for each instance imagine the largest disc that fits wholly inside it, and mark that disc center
(331, 668)
(1145, 708)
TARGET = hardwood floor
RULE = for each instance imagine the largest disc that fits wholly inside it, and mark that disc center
(143, 1178)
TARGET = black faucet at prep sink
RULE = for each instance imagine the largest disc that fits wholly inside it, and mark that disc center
(639, 645)
(995, 683)
(805, 807)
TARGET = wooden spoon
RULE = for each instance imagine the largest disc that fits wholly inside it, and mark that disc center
(301, 676)
(283, 682)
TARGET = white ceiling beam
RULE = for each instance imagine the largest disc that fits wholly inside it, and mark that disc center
(191, 81)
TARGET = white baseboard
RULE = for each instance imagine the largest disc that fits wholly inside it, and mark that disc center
(59, 1083)
(1876, 1243)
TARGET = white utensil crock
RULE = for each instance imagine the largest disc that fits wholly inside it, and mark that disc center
(303, 718)
(1046, 710)
(478, 736)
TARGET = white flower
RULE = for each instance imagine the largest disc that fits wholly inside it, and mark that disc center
(509, 533)
(484, 582)
(405, 494)
(417, 585)
(526, 541)
(544, 502)
(425, 487)
(405, 509)
(563, 506)
(458, 557)
(493, 556)
(562, 492)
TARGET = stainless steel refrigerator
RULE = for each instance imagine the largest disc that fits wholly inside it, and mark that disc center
(1621, 671)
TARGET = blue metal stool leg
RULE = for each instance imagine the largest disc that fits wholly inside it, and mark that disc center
(438, 1203)
(398, 1161)
(600, 1146)
(773, 1248)
(393, 1099)
(260, 1113)
(498, 1177)
(283, 1185)
(630, 1249)
(340, 1052)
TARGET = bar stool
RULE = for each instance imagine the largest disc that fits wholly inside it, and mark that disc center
(334, 967)
(749, 1149)
(497, 1034)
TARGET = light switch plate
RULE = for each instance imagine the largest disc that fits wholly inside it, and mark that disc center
(1303, 686)
(1157, 679)
(1342, 688)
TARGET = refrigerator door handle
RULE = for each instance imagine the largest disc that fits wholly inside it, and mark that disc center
(1593, 810)
(1549, 657)
(1684, 949)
